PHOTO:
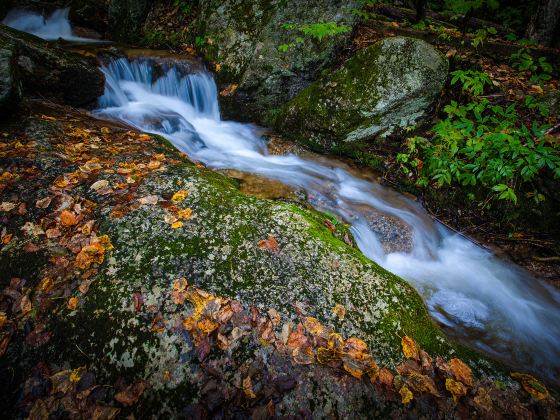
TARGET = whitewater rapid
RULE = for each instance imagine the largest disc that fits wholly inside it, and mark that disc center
(50, 28)
(483, 301)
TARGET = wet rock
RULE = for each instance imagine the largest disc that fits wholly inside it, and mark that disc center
(394, 234)
(384, 87)
(51, 72)
(10, 85)
(244, 36)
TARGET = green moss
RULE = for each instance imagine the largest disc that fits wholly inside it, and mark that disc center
(383, 87)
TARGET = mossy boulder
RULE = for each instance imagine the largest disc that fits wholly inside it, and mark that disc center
(10, 85)
(47, 70)
(244, 36)
(217, 249)
(387, 86)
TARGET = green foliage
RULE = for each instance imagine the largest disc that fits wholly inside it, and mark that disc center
(473, 81)
(482, 144)
(532, 103)
(183, 6)
(316, 31)
(200, 41)
(464, 6)
(482, 34)
(540, 69)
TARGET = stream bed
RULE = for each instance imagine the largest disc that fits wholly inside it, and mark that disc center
(480, 300)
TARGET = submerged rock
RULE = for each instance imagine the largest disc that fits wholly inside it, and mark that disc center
(51, 72)
(244, 36)
(10, 85)
(389, 85)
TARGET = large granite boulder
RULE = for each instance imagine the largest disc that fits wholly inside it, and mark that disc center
(244, 36)
(387, 86)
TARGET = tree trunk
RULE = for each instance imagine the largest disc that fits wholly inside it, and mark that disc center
(420, 9)
(544, 22)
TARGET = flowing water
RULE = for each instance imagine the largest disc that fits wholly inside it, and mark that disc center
(480, 300)
(50, 28)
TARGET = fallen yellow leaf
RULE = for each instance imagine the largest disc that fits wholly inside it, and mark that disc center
(180, 196)
(176, 225)
(339, 311)
(72, 303)
(410, 350)
(406, 395)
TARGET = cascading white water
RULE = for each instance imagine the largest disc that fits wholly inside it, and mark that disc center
(485, 302)
(56, 26)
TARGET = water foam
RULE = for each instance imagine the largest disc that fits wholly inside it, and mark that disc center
(53, 27)
(485, 302)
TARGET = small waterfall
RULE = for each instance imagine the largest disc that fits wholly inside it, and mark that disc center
(55, 26)
(485, 302)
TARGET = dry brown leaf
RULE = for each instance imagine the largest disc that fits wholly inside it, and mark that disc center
(531, 385)
(138, 300)
(248, 388)
(102, 412)
(483, 399)
(148, 200)
(314, 327)
(461, 371)
(386, 377)
(269, 244)
(72, 303)
(43, 203)
(131, 394)
(456, 388)
(67, 218)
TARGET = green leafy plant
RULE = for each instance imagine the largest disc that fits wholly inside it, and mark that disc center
(540, 69)
(200, 41)
(316, 31)
(532, 103)
(482, 144)
(482, 34)
(472, 81)
(183, 6)
(464, 6)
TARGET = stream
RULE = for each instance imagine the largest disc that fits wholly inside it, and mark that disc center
(482, 301)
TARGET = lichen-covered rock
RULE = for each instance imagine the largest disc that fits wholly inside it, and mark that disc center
(120, 318)
(47, 70)
(389, 85)
(10, 85)
(244, 36)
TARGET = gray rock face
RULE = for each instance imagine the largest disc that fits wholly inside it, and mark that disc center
(244, 36)
(52, 72)
(10, 85)
(389, 85)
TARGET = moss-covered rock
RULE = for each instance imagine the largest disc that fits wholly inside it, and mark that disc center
(217, 249)
(389, 85)
(10, 85)
(48, 70)
(244, 36)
